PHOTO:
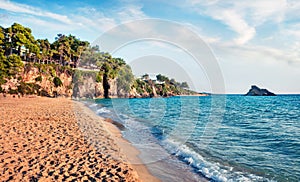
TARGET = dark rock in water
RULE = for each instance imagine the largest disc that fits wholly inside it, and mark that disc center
(255, 91)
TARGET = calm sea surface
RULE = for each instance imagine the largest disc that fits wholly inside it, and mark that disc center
(220, 138)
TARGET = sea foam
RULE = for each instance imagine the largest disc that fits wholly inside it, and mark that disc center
(211, 170)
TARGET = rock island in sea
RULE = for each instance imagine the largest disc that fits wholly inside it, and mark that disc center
(256, 91)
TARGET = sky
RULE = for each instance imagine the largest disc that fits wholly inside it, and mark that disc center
(254, 42)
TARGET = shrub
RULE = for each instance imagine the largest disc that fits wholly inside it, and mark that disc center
(52, 71)
(10, 91)
(77, 76)
(43, 93)
(39, 79)
(2, 80)
(57, 82)
(139, 90)
(99, 78)
(14, 64)
(43, 68)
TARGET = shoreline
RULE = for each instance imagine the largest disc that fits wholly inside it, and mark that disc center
(48, 139)
(157, 160)
(131, 153)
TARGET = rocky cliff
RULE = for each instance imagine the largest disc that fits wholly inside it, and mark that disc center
(55, 80)
(256, 91)
(39, 79)
(85, 85)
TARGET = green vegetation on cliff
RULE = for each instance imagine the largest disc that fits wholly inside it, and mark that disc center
(161, 86)
(30, 66)
(127, 85)
(18, 40)
(36, 66)
(110, 68)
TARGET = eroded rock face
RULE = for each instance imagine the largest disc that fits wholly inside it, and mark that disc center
(113, 90)
(87, 88)
(256, 91)
(30, 75)
(39, 80)
(34, 81)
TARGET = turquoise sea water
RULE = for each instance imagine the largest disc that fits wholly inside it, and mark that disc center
(221, 138)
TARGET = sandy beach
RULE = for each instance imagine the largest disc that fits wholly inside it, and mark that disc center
(44, 139)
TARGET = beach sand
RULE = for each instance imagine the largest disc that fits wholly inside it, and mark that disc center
(59, 139)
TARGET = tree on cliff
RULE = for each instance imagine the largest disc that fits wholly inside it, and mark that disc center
(18, 36)
(18, 39)
(68, 49)
(1, 38)
(45, 49)
(61, 49)
(145, 77)
(14, 64)
(11, 66)
(109, 68)
(91, 57)
(3, 72)
(125, 79)
(184, 85)
(164, 87)
(77, 48)
(162, 78)
(2, 57)
(57, 82)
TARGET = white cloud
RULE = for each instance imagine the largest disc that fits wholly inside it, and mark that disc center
(131, 13)
(87, 20)
(237, 24)
(121, 14)
(38, 26)
(100, 22)
(22, 8)
(258, 12)
(257, 54)
(293, 9)
(242, 17)
(200, 32)
(245, 17)
(290, 31)
(93, 20)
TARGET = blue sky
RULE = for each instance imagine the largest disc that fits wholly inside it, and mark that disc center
(254, 41)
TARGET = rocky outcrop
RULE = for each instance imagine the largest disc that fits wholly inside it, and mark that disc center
(36, 79)
(114, 92)
(55, 80)
(255, 91)
(85, 85)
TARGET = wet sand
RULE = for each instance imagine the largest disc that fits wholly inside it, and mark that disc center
(48, 139)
